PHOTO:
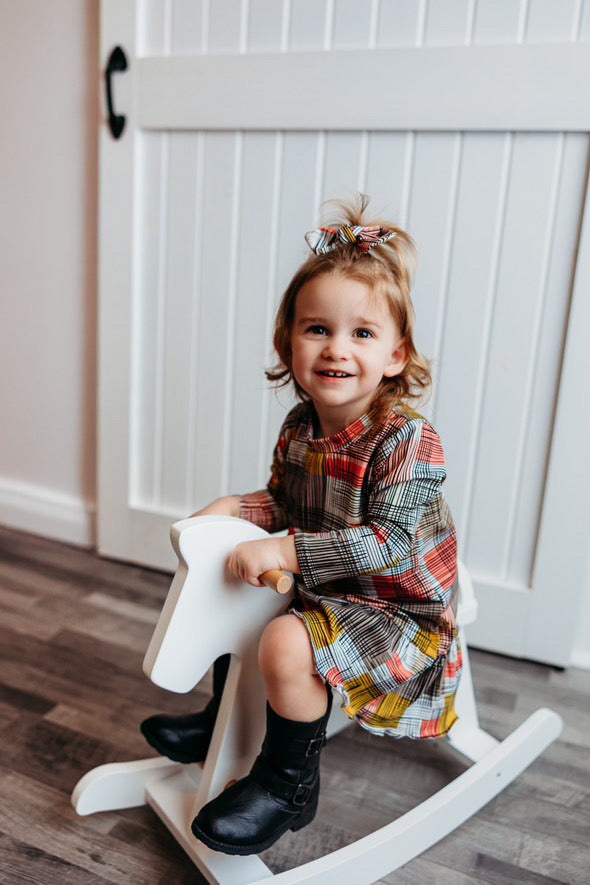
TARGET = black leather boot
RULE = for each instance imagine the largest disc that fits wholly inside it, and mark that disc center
(187, 738)
(280, 793)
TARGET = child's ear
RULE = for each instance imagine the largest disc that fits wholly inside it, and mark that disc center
(398, 362)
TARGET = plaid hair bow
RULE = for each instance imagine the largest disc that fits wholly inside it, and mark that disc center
(324, 239)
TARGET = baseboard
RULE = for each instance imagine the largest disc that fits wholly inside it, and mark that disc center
(581, 659)
(48, 513)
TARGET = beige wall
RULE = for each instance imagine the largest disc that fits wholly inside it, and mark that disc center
(48, 186)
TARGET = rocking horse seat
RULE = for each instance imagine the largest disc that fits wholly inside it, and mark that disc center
(208, 613)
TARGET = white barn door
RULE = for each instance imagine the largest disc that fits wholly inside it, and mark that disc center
(468, 123)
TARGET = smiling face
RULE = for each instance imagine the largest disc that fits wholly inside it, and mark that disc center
(344, 341)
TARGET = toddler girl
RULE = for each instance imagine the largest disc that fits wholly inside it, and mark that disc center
(356, 478)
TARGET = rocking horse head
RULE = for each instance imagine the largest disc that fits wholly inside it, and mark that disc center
(207, 611)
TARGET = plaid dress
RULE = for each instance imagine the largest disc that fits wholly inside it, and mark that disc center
(376, 547)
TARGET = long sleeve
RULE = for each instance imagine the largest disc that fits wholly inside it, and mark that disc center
(262, 509)
(407, 474)
(266, 508)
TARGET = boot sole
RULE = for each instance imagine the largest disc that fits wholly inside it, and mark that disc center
(304, 818)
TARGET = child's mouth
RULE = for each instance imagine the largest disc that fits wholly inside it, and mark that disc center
(334, 376)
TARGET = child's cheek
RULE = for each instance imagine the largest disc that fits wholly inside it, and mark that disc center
(300, 362)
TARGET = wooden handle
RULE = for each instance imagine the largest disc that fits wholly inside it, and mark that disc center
(280, 581)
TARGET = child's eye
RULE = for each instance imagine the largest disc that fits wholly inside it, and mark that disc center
(363, 333)
(317, 330)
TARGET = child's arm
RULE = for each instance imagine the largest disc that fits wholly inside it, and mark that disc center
(226, 506)
(252, 558)
(266, 508)
(263, 508)
(257, 507)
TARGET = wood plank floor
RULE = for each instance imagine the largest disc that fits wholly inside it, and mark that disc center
(73, 631)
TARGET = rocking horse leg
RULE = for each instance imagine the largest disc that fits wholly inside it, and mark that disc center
(119, 784)
(238, 733)
(466, 736)
(186, 738)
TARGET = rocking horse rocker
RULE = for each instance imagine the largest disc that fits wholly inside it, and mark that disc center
(207, 614)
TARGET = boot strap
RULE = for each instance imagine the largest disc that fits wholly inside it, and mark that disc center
(310, 747)
(296, 794)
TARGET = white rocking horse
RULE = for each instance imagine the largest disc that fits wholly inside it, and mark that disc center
(207, 613)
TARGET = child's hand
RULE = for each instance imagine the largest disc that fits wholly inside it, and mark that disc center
(251, 558)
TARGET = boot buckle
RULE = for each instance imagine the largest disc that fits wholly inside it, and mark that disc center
(315, 745)
(301, 795)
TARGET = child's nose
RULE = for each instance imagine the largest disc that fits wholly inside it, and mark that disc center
(336, 348)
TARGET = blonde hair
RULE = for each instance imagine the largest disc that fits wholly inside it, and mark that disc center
(388, 270)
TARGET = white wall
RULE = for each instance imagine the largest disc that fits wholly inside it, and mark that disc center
(48, 186)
